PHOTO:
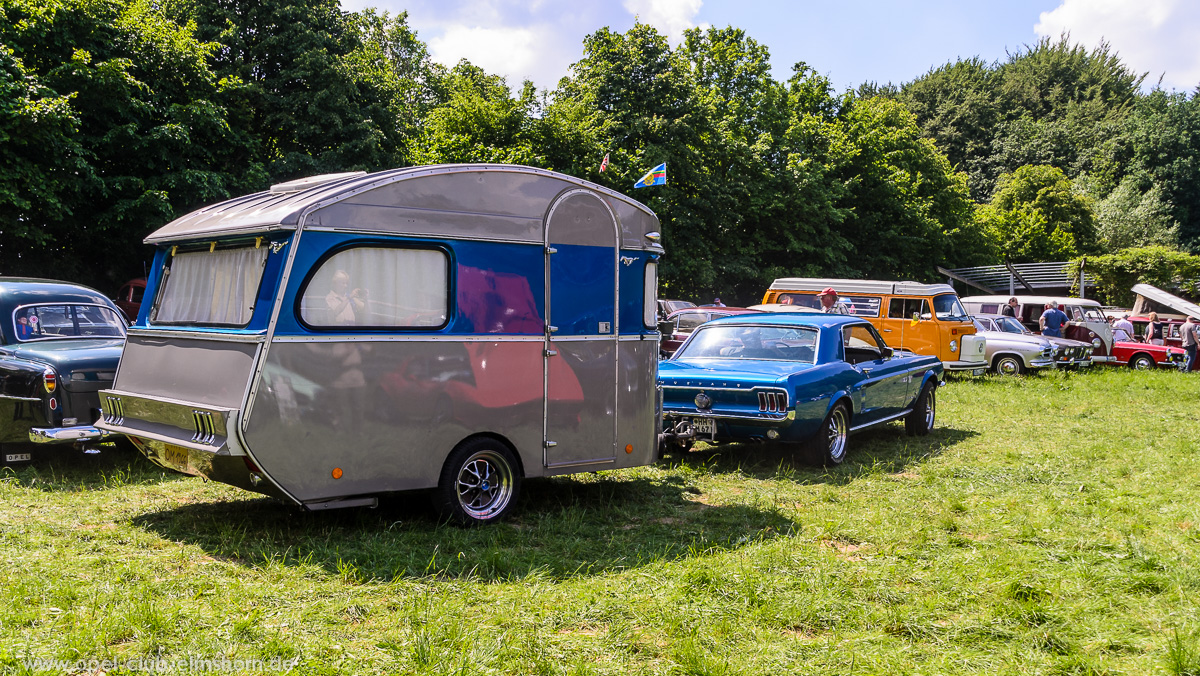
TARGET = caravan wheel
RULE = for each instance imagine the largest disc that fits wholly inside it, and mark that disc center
(479, 483)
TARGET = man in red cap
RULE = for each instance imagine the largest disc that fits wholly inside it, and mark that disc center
(830, 303)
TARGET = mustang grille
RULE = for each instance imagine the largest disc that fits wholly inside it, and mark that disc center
(115, 413)
(773, 402)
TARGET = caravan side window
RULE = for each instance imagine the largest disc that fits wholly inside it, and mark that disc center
(650, 295)
(378, 287)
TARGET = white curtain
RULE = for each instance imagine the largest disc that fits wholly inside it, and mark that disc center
(214, 288)
(379, 287)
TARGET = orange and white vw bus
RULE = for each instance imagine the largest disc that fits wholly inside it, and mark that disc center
(922, 318)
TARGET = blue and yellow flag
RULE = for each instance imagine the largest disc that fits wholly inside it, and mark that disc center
(656, 176)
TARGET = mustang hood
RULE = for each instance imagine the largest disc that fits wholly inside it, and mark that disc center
(758, 371)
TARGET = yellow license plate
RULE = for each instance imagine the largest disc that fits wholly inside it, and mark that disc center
(176, 457)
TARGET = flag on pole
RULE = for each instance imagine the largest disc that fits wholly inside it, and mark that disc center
(656, 176)
(604, 163)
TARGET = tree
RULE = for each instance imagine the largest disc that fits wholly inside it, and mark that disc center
(132, 106)
(1037, 215)
(1163, 267)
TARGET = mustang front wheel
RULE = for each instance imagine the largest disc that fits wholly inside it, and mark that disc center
(1142, 362)
(920, 420)
(479, 483)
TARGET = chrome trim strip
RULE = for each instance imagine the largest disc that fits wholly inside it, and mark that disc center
(761, 417)
(890, 418)
(723, 389)
(14, 398)
(578, 463)
(62, 435)
(413, 338)
(200, 335)
(425, 235)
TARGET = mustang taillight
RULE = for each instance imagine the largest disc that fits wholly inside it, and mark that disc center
(772, 402)
(49, 380)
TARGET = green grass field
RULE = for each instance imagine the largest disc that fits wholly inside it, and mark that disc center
(1048, 525)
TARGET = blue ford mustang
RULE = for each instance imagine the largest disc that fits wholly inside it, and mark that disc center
(791, 377)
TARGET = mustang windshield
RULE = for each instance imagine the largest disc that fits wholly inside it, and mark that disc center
(947, 306)
(52, 322)
(781, 343)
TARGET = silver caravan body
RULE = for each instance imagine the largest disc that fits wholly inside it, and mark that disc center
(343, 336)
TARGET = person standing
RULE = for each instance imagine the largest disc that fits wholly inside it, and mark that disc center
(1187, 334)
(717, 303)
(1125, 325)
(1053, 320)
(1155, 330)
(1009, 309)
(830, 303)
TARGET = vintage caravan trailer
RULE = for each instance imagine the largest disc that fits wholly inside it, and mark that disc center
(453, 327)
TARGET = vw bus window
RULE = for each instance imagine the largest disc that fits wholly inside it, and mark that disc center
(947, 306)
(907, 308)
(378, 287)
(862, 306)
(650, 298)
(212, 288)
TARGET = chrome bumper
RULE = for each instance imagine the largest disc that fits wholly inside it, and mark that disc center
(964, 365)
(66, 435)
(1103, 359)
(1041, 363)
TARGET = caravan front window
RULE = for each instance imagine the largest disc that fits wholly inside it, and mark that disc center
(379, 287)
(211, 287)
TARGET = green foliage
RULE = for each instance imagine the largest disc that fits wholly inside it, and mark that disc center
(1037, 215)
(1135, 214)
(134, 130)
(1159, 266)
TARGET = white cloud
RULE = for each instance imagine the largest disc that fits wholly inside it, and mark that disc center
(1155, 36)
(516, 53)
(672, 17)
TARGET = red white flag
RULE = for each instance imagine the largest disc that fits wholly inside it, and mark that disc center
(604, 162)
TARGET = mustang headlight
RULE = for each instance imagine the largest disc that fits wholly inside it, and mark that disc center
(1096, 343)
(954, 346)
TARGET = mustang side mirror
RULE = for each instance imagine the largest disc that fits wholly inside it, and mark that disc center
(887, 353)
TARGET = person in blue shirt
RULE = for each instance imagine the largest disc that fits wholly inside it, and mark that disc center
(24, 330)
(1053, 320)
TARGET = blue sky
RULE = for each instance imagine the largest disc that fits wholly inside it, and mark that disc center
(850, 42)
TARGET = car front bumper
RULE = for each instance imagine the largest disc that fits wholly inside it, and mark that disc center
(975, 368)
(66, 435)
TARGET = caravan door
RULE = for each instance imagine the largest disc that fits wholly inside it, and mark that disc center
(580, 366)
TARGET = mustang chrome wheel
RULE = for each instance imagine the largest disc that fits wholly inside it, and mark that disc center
(835, 434)
(930, 408)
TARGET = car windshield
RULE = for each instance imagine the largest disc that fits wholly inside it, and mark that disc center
(782, 343)
(983, 324)
(1010, 325)
(1093, 315)
(1120, 336)
(947, 306)
(55, 322)
(690, 320)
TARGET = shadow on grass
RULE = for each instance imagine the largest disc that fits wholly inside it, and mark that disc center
(885, 450)
(564, 527)
(65, 468)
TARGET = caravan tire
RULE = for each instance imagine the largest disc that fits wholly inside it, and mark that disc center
(479, 483)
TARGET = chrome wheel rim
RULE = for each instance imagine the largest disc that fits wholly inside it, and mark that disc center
(1141, 363)
(1007, 367)
(484, 484)
(930, 409)
(835, 433)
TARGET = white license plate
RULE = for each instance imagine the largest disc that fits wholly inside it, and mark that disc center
(18, 457)
(978, 372)
(704, 426)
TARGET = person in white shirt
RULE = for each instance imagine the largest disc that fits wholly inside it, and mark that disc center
(1124, 324)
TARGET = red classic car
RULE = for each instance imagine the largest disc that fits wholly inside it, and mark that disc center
(1144, 356)
(1141, 329)
(129, 298)
(683, 322)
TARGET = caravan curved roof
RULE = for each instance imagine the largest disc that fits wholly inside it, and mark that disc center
(480, 201)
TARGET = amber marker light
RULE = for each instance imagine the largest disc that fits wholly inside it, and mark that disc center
(337, 472)
(629, 448)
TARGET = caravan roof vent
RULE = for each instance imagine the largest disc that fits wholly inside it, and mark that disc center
(313, 181)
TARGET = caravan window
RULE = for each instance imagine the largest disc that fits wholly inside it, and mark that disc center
(650, 295)
(379, 287)
(213, 288)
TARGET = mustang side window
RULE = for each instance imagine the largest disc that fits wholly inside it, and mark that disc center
(378, 287)
(861, 344)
